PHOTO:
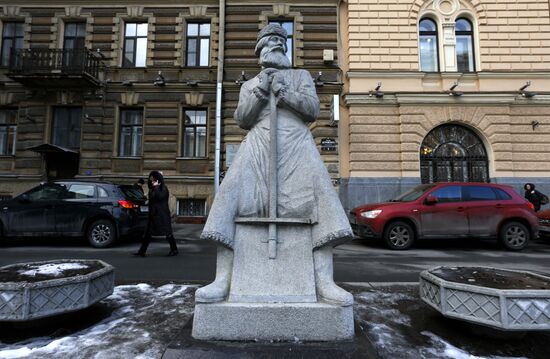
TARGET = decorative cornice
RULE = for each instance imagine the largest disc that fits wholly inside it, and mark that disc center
(447, 75)
(445, 99)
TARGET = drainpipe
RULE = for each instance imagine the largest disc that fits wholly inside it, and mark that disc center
(219, 82)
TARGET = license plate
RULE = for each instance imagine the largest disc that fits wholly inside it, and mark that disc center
(144, 209)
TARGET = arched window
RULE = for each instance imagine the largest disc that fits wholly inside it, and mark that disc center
(464, 45)
(453, 153)
(429, 58)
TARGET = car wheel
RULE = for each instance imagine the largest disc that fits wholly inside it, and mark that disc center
(101, 233)
(514, 236)
(399, 235)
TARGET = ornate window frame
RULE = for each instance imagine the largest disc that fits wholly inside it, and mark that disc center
(445, 13)
(132, 14)
(197, 13)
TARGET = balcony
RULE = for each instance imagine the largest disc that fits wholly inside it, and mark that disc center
(55, 67)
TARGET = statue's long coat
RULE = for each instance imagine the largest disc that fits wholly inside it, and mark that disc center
(304, 186)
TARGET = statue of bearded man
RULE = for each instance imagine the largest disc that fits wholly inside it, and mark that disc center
(304, 188)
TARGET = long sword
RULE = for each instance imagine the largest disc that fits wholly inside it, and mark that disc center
(272, 238)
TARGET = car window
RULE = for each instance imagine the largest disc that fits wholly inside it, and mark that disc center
(502, 194)
(102, 193)
(131, 192)
(47, 192)
(81, 191)
(413, 194)
(448, 194)
(481, 193)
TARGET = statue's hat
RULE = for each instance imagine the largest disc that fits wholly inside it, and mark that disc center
(269, 30)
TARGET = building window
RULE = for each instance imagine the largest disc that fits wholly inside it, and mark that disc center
(190, 207)
(198, 44)
(453, 153)
(429, 57)
(289, 27)
(8, 131)
(194, 133)
(66, 127)
(74, 37)
(131, 132)
(12, 38)
(464, 46)
(73, 44)
(135, 44)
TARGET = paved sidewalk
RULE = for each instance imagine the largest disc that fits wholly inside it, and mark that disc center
(188, 232)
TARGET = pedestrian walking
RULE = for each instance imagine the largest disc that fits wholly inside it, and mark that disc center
(534, 196)
(159, 221)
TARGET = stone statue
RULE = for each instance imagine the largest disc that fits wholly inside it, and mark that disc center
(276, 216)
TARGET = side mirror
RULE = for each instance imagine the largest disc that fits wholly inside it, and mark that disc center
(24, 198)
(430, 200)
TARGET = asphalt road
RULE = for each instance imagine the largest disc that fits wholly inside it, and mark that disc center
(357, 261)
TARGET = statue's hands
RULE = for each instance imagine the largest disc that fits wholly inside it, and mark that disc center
(265, 77)
(279, 86)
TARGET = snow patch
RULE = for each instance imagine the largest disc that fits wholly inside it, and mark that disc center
(447, 350)
(51, 269)
(142, 318)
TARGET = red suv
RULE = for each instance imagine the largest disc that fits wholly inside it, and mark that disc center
(449, 210)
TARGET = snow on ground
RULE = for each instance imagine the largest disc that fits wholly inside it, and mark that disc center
(51, 269)
(142, 321)
(139, 321)
(394, 319)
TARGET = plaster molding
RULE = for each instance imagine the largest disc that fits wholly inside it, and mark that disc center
(457, 6)
(194, 99)
(198, 10)
(6, 98)
(129, 98)
(11, 11)
(134, 11)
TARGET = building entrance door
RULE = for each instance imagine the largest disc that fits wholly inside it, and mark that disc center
(453, 153)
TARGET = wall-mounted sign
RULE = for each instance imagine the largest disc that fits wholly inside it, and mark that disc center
(230, 152)
(328, 144)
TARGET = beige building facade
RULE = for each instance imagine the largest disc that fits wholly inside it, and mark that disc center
(443, 90)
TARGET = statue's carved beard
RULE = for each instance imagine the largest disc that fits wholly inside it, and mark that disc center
(274, 57)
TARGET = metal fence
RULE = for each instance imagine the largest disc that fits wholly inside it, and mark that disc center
(54, 61)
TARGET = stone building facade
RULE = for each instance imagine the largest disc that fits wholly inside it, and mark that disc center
(112, 90)
(443, 90)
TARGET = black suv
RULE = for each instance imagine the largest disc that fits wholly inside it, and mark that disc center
(100, 211)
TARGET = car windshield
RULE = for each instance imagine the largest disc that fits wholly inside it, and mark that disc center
(131, 192)
(414, 193)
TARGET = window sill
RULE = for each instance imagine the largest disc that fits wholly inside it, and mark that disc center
(128, 157)
(191, 158)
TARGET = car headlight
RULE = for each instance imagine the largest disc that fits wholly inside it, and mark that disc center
(371, 214)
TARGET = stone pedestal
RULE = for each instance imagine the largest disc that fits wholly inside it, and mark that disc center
(273, 299)
(274, 321)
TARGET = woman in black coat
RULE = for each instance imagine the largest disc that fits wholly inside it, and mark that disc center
(159, 221)
(533, 196)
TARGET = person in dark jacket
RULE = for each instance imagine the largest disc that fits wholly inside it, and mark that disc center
(159, 222)
(533, 196)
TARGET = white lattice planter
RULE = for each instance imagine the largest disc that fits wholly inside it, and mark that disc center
(40, 289)
(503, 299)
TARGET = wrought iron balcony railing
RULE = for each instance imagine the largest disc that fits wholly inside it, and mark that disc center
(74, 63)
